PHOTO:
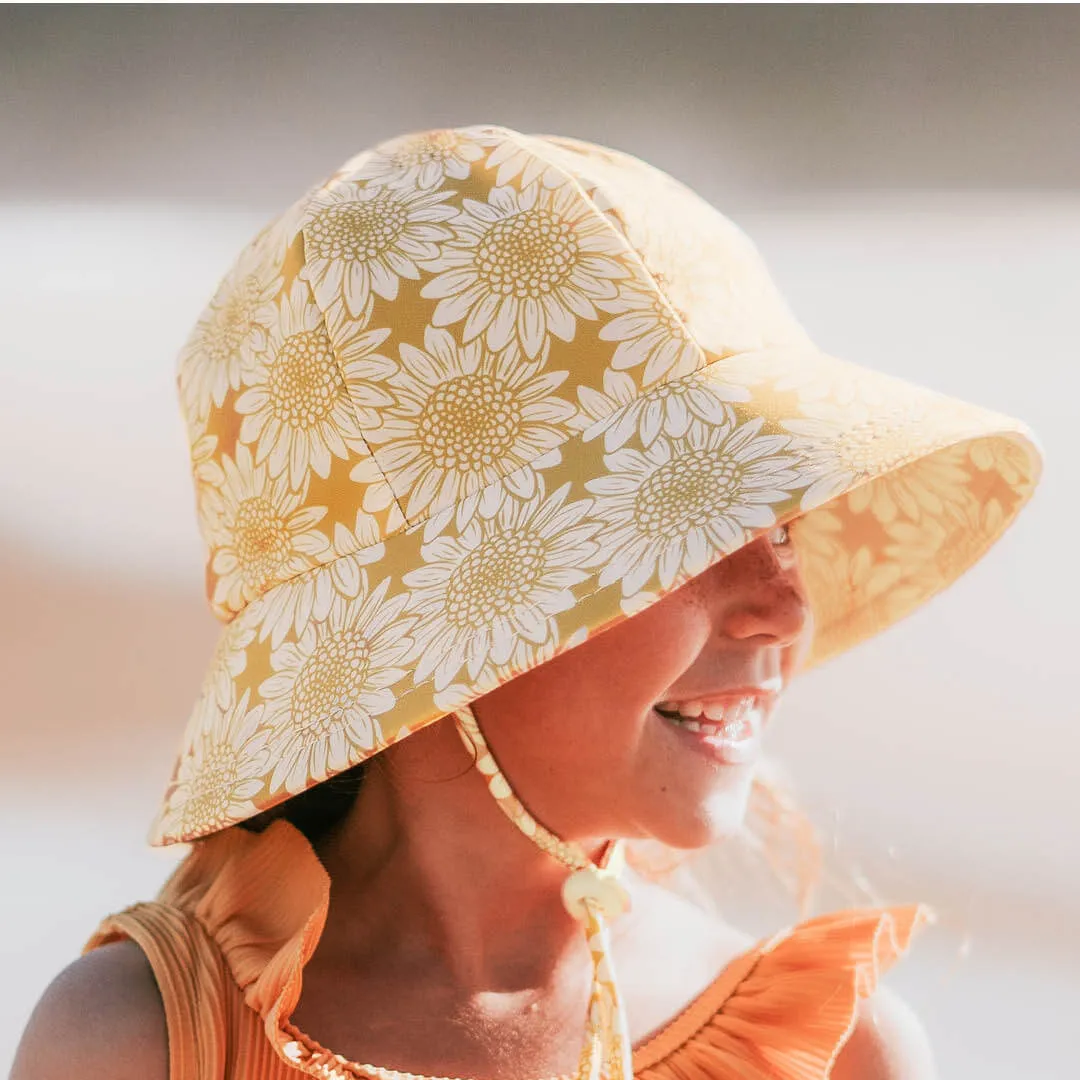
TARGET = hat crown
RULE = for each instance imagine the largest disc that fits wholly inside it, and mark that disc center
(441, 312)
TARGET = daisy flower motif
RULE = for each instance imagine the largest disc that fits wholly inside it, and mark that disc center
(306, 398)
(491, 675)
(350, 550)
(463, 417)
(359, 241)
(263, 535)
(207, 474)
(824, 385)
(223, 769)
(669, 512)
(649, 332)
(423, 160)
(843, 450)
(524, 265)
(308, 597)
(935, 549)
(232, 333)
(328, 689)
(230, 657)
(1004, 456)
(498, 583)
(842, 569)
(622, 410)
(514, 156)
(378, 496)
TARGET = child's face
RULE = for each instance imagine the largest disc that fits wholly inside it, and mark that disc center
(581, 743)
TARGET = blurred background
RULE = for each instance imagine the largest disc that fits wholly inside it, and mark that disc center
(912, 176)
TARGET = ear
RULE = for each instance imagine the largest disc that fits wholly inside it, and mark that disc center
(888, 1042)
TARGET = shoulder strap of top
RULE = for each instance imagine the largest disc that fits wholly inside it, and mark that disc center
(191, 977)
(785, 1008)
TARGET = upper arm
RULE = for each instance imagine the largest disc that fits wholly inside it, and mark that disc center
(889, 1042)
(101, 1017)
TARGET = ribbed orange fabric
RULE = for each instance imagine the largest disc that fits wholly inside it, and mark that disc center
(231, 930)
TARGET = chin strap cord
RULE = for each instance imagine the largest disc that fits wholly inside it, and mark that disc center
(593, 894)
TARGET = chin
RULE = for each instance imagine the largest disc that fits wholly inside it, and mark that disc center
(719, 815)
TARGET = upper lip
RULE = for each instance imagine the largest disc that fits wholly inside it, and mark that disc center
(731, 693)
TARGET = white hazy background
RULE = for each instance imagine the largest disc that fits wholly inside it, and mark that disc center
(912, 176)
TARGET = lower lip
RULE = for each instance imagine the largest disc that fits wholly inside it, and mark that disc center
(741, 751)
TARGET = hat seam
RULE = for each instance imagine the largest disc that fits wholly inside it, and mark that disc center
(341, 373)
(629, 251)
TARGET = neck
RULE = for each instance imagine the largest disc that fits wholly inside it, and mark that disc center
(426, 868)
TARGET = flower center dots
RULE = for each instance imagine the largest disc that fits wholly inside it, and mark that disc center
(329, 684)
(438, 147)
(212, 788)
(261, 541)
(233, 321)
(529, 254)
(304, 380)
(869, 447)
(687, 492)
(469, 423)
(495, 578)
(357, 230)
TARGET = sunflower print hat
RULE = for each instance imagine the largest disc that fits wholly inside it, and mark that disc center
(480, 395)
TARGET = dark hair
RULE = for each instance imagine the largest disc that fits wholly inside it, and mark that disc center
(318, 810)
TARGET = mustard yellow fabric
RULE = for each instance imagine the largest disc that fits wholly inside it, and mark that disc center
(230, 932)
(479, 395)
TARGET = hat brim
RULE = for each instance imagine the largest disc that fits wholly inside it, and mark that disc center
(896, 491)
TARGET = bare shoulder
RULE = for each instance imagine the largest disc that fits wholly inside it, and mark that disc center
(103, 1011)
(889, 1042)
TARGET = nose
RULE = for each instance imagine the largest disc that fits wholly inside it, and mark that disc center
(761, 595)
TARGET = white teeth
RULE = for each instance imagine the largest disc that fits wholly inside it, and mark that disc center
(731, 720)
(727, 713)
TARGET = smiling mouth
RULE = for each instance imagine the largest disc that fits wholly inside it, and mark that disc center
(728, 732)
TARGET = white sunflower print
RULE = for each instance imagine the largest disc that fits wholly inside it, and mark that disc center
(481, 592)
(230, 656)
(232, 333)
(359, 241)
(848, 573)
(423, 160)
(671, 508)
(622, 411)
(223, 769)
(935, 549)
(524, 657)
(1007, 457)
(264, 534)
(843, 451)
(377, 495)
(649, 332)
(309, 596)
(524, 265)
(526, 482)
(208, 475)
(351, 549)
(306, 398)
(826, 386)
(516, 156)
(330, 687)
(465, 417)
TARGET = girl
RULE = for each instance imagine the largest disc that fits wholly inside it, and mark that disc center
(525, 498)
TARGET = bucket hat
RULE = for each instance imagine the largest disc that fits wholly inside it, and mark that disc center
(478, 396)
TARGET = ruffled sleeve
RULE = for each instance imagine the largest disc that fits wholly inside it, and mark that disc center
(784, 1009)
(263, 898)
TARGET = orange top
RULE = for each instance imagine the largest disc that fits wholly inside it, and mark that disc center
(231, 930)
